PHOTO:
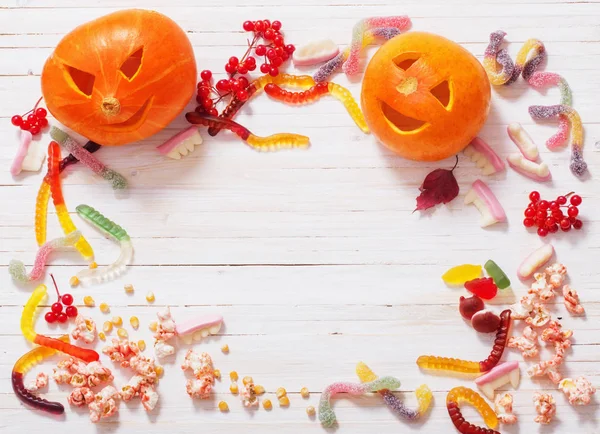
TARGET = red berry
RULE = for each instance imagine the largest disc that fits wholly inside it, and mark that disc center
(285, 56)
(62, 318)
(71, 311)
(26, 126)
(277, 61)
(35, 129)
(259, 26)
(278, 41)
(553, 229)
(542, 232)
(291, 48)
(271, 53)
(279, 51)
(265, 68)
(251, 67)
(573, 211)
(260, 50)
(541, 215)
(223, 85)
(43, 122)
(213, 112)
(528, 222)
(571, 219)
(50, 317)
(234, 85)
(16, 120)
(534, 196)
(234, 61)
(267, 24)
(41, 113)
(248, 26)
(577, 224)
(242, 69)
(269, 34)
(250, 61)
(229, 68)
(561, 200)
(544, 204)
(550, 222)
(56, 307)
(204, 92)
(529, 212)
(207, 103)
(564, 223)
(206, 75)
(554, 205)
(67, 299)
(276, 25)
(243, 81)
(32, 119)
(576, 200)
(274, 71)
(242, 95)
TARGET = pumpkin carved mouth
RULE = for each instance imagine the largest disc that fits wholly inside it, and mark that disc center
(405, 124)
(134, 122)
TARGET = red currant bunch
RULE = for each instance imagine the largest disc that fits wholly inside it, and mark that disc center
(33, 121)
(56, 310)
(548, 217)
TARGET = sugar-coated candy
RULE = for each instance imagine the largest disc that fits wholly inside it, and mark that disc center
(572, 301)
(114, 231)
(326, 413)
(537, 171)
(181, 144)
(315, 52)
(579, 391)
(483, 287)
(503, 405)
(545, 406)
(540, 80)
(28, 157)
(461, 273)
(495, 272)
(535, 260)
(495, 55)
(117, 180)
(504, 373)
(484, 157)
(17, 268)
(458, 395)
(527, 343)
(519, 136)
(481, 196)
(70, 159)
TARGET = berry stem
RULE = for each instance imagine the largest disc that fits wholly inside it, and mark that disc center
(55, 286)
(34, 107)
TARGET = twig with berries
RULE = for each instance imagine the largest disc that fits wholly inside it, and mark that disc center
(56, 310)
(548, 216)
(33, 121)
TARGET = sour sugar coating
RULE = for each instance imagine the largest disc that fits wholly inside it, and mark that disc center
(441, 364)
(458, 395)
(500, 278)
(70, 159)
(17, 269)
(578, 165)
(541, 80)
(493, 56)
(59, 202)
(545, 406)
(326, 413)
(27, 319)
(503, 404)
(271, 143)
(572, 301)
(579, 391)
(22, 366)
(459, 275)
(527, 344)
(315, 93)
(481, 196)
(117, 233)
(484, 157)
(423, 393)
(117, 180)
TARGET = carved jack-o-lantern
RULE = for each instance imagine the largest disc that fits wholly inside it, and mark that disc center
(121, 77)
(425, 97)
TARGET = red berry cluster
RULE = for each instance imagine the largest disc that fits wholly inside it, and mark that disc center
(33, 121)
(56, 310)
(548, 216)
(274, 51)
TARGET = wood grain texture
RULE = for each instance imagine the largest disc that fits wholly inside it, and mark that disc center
(313, 257)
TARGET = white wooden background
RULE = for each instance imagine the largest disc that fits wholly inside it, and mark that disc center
(313, 257)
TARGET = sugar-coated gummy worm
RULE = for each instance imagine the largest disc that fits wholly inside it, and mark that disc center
(111, 229)
(327, 415)
(423, 393)
(17, 268)
(22, 366)
(441, 364)
(458, 395)
(70, 159)
(235, 104)
(59, 201)
(118, 181)
(27, 320)
(315, 93)
(270, 143)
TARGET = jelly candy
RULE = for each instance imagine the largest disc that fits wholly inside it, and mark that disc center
(483, 287)
(461, 274)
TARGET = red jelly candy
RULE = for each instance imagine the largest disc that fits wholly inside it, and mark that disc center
(483, 287)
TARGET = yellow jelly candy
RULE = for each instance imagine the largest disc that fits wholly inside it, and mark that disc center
(462, 273)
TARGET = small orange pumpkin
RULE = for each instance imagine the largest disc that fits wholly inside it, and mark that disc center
(424, 96)
(121, 77)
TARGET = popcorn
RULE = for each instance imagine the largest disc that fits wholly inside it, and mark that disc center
(572, 301)
(541, 288)
(561, 342)
(202, 368)
(81, 396)
(41, 381)
(248, 395)
(504, 408)
(556, 274)
(578, 392)
(527, 344)
(162, 349)
(545, 405)
(541, 316)
(80, 374)
(85, 329)
(121, 351)
(104, 404)
(165, 330)
(523, 308)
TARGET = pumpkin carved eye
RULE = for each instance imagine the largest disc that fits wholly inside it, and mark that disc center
(132, 64)
(405, 60)
(83, 81)
(443, 93)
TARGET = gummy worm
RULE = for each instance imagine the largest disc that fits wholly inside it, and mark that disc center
(423, 393)
(109, 228)
(41, 211)
(385, 33)
(70, 159)
(59, 201)
(315, 93)
(464, 394)
(22, 366)
(467, 367)
(17, 268)
(326, 413)
(235, 104)
(27, 318)
(118, 181)
(272, 142)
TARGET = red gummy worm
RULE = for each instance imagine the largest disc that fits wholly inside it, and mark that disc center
(215, 122)
(461, 424)
(29, 398)
(54, 173)
(233, 107)
(499, 343)
(301, 97)
(84, 354)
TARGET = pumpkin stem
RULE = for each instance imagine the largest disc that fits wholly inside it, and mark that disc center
(110, 106)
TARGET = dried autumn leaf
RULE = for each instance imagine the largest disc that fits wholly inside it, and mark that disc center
(439, 186)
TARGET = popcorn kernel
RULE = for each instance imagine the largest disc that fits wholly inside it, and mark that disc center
(104, 308)
(304, 392)
(259, 390)
(135, 322)
(217, 374)
(284, 401)
(267, 405)
(128, 288)
(117, 320)
(89, 301)
(233, 375)
(122, 333)
(107, 326)
(223, 406)
(281, 392)
(225, 348)
(234, 388)
(247, 380)
(73, 281)
(93, 265)
(153, 326)
(141, 345)
(102, 336)
(150, 297)
(310, 410)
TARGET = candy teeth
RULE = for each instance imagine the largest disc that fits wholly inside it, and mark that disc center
(315, 52)
(484, 157)
(181, 144)
(199, 328)
(28, 158)
(523, 141)
(536, 171)
(484, 200)
(534, 261)
(502, 374)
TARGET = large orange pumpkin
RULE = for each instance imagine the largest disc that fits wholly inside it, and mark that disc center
(121, 77)
(424, 96)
